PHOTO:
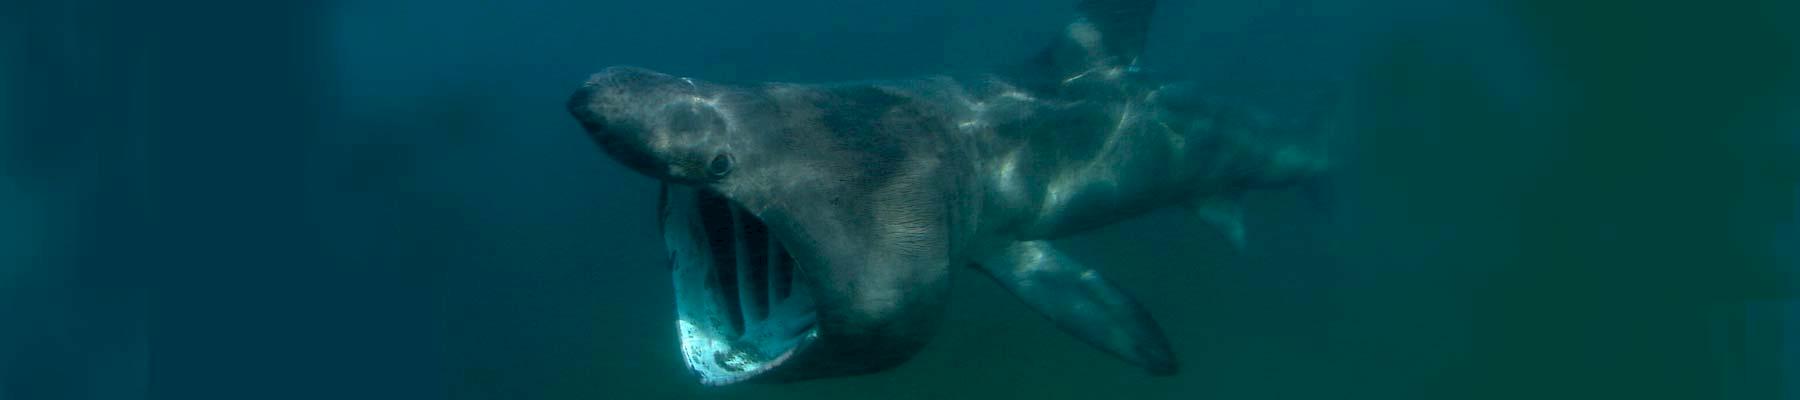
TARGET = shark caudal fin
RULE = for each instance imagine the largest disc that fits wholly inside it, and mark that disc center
(1103, 45)
(1304, 166)
(1306, 163)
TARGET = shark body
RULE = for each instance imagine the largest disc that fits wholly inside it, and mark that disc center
(812, 228)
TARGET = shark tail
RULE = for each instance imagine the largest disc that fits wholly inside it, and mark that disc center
(1284, 168)
(1303, 165)
(1325, 127)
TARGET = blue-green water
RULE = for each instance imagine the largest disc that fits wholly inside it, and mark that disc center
(386, 199)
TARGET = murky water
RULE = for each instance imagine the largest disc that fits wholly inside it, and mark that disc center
(386, 199)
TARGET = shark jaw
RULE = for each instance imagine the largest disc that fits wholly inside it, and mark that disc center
(742, 307)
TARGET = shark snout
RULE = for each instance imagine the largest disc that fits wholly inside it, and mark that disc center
(581, 106)
(620, 137)
(615, 95)
(669, 128)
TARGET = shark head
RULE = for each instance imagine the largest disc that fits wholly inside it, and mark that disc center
(783, 266)
(663, 126)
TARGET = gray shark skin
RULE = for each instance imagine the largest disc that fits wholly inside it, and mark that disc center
(812, 228)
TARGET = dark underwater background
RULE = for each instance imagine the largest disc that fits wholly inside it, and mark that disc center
(384, 199)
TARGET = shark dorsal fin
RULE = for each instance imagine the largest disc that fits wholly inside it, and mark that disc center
(1122, 26)
(1102, 45)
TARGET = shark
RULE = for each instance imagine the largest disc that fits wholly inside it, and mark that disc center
(812, 228)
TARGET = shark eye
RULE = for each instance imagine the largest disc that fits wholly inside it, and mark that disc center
(720, 166)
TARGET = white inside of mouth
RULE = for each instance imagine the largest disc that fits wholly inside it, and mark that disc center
(741, 310)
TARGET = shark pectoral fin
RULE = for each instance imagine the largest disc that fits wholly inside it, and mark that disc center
(1082, 303)
(1225, 213)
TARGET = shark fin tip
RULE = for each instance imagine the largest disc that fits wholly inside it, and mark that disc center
(1225, 213)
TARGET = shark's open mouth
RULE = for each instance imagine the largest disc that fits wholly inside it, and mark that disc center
(741, 303)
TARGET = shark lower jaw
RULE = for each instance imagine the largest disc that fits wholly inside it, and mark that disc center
(742, 309)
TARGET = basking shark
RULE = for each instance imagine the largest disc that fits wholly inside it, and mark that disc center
(812, 228)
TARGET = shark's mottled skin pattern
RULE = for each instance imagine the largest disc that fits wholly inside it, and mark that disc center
(876, 190)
